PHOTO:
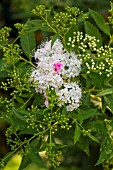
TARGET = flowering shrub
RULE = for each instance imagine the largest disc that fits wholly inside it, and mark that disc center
(63, 86)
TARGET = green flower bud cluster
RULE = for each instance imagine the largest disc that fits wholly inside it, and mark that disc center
(34, 122)
(110, 18)
(18, 81)
(12, 138)
(11, 52)
(6, 104)
(53, 154)
(2, 100)
(73, 11)
(4, 34)
(82, 44)
(52, 97)
(6, 107)
(56, 121)
(22, 28)
(63, 20)
(100, 62)
(86, 132)
(18, 88)
(40, 11)
(95, 59)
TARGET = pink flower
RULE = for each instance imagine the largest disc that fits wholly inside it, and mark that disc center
(57, 67)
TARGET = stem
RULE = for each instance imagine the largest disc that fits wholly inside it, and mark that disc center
(111, 40)
(29, 62)
(16, 39)
(77, 122)
(52, 28)
(12, 153)
(110, 79)
(38, 134)
(26, 101)
(50, 136)
(21, 144)
(66, 33)
(20, 57)
(19, 140)
(89, 90)
(49, 24)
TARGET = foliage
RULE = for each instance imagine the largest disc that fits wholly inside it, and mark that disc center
(33, 126)
(22, 9)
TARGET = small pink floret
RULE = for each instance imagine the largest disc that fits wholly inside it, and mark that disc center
(57, 67)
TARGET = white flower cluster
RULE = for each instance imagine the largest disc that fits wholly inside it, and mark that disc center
(57, 68)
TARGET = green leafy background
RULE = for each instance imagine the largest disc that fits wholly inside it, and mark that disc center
(74, 158)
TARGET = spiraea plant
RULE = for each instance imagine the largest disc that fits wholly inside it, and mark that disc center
(64, 86)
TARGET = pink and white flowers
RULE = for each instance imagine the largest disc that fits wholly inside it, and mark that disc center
(58, 68)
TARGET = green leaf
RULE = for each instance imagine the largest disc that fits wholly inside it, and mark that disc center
(97, 126)
(39, 100)
(60, 146)
(35, 157)
(97, 79)
(111, 4)
(55, 37)
(79, 117)
(106, 150)
(77, 133)
(23, 111)
(64, 110)
(17, 113)
(88, 83)
(69, 33)
(24, 162)
(92, 137)
(104, 105)
(109, 102)
(17, 119)
(100, 22)
(83, 144)
(28, 131)
(105, 92)
(40, 24)
(36, 143)
(20, 100)
(36, 22)
(87, 113)
(90, 113)
(93, 31)
(7, 158)
(2, 63)
(26, 95)
(3, 74)
(2, 114)
(86, 99)
(103, 156)
(42, 111)
(28, 43)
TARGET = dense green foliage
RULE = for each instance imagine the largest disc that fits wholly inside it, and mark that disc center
(33, 127)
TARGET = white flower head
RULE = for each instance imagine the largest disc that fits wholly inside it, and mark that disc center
(56, 68)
